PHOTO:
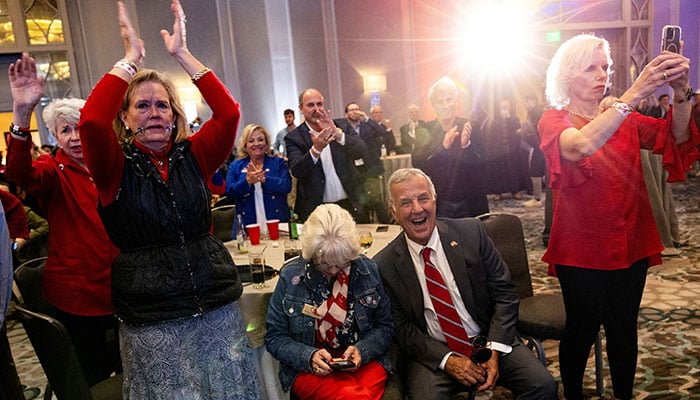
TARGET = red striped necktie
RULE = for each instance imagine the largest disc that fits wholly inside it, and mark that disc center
(457, 338)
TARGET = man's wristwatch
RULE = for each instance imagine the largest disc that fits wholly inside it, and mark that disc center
(19, 132)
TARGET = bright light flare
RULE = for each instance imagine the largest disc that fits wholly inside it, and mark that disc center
(495, 38)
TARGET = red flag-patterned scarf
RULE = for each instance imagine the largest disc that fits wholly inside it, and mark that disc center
(332, 312)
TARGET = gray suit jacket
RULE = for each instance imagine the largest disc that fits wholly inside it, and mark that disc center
(482, 277)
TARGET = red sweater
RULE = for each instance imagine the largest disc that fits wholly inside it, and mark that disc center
(77, 278)
(14, 214)
(602, 217)
(211, 145)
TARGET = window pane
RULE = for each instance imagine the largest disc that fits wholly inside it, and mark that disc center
(44, 24)
(573, 11)
(7, 36)
(55, 68)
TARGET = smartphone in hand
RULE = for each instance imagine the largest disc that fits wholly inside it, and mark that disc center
(671, 38)
(339, 363)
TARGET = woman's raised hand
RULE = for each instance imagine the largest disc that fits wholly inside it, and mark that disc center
(176, 42)
(134, 49)
(666, 68)
(26, 86)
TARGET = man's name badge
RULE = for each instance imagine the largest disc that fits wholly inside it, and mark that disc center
(310, 311)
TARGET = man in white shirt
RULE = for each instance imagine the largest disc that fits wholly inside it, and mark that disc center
(481, 295)
(279, 146)
(321, 156)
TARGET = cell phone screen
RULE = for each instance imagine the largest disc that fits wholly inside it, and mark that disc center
(337, 363)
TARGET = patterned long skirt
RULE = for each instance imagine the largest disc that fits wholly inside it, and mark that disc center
(198, 358)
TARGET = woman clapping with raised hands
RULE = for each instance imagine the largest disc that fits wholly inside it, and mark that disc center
(175, 285)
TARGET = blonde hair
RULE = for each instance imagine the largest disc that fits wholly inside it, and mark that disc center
(181, 128)
(67, 109)
(330, 236)
(241, 151)
(570, 59)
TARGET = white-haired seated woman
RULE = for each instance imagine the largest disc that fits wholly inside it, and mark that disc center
(330, 305)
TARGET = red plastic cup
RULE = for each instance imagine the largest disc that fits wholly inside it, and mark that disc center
(253, 233)
(273, 228)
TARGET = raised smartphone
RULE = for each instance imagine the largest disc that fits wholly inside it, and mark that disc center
(671, 38)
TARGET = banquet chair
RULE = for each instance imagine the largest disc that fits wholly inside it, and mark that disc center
(28, 282)
(222, 219)
(60, 363)
(541, 316)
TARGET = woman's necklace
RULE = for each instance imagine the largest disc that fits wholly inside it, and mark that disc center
(584, 116)
(159, 161)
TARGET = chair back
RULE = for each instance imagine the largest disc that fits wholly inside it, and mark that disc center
(56, 354)
(506, 233)
(28, 278)
(222, 219)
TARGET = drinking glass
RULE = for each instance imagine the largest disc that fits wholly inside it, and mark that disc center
(365, 240)
(290, 249)
(256, 259)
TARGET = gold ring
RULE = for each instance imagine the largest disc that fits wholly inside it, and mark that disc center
(665, 76)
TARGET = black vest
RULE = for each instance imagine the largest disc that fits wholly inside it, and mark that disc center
(170, 266)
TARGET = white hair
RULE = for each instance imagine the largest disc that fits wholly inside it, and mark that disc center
(570, 59)
(330, 236)
(67, 109)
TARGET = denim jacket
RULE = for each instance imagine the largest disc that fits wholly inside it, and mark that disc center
(290, 334)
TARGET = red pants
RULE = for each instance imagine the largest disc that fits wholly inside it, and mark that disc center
(367, 383)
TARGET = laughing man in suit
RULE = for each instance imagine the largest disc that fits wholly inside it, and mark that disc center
(480, 288)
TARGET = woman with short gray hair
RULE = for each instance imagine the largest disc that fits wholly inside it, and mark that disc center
(329, 320)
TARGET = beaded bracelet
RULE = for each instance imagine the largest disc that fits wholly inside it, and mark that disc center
(127, 66)
(200, 74)
(623, 108)
(19, 132)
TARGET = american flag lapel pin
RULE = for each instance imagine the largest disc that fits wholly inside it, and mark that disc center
(453, 244)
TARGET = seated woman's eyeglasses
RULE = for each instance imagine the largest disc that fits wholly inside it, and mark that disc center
(331, 270)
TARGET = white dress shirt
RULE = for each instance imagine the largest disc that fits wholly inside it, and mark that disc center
(333, 189)
(439, 259)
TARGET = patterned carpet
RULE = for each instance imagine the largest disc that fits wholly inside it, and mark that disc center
(669, 322)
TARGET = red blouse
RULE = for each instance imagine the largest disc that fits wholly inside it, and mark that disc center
(602, 217)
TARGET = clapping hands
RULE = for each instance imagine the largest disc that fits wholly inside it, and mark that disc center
(452, 134)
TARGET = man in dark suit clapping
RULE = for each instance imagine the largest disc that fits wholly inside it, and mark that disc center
(448, 285)
(321, 156)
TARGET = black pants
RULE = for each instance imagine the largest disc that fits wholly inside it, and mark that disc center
(96, 341)
(10, 386)
(591, 298)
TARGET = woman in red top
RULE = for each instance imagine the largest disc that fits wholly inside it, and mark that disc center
(603, 235)
(174, 284)
(77, 274)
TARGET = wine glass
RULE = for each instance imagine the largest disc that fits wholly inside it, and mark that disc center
(365, 240)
